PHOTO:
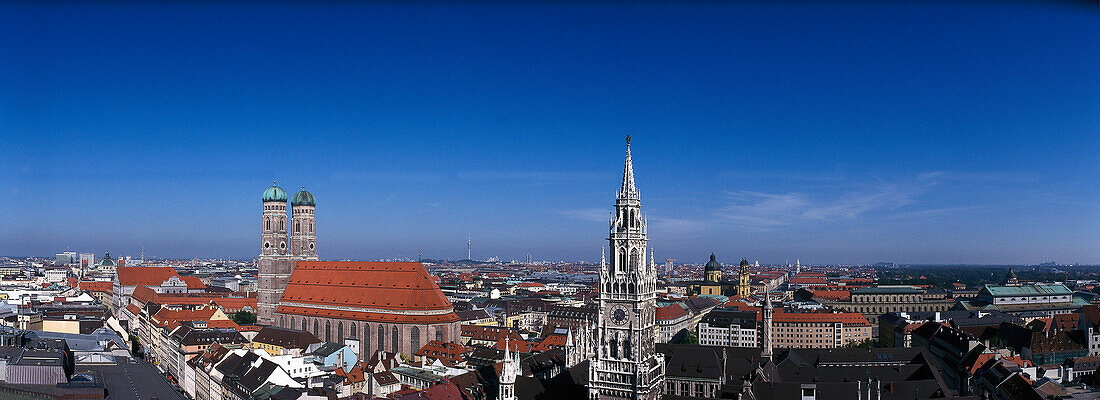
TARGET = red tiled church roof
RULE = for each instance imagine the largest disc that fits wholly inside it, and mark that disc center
(151, 276)
(193, 282)
(384, 291)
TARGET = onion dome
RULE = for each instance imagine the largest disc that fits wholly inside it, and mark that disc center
(712, 265)
(744, 262)
(303, 198)
(274, 193)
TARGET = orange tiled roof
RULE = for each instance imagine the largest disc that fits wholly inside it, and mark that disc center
(550, 342)
(133, 309)
(194, 283)
(97, 286)
(151, 276)
(144, 294)
(855, 319)
(670, 312)
(385, 291)
(448, 352)
(519, 345)
(842, 295)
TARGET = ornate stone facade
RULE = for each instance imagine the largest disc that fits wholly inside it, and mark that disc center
(627, 365)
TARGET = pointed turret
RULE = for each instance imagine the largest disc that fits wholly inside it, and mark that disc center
(628, 191)
(509, 370)
(766, 327)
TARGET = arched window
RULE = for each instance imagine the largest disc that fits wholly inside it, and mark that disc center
(267, 224)
(352, 334)
(316, 328)
(304, 327)
(381, 336)
(310, 227)
(439, 333)
(622, 259)
(328, 331)
(366, 341)
(339, 331)
(297, 226)
(634, 260)
(395, 339)
(281, 228)
(414, 339)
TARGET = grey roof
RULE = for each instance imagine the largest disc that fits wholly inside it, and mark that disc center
(283, 337)
(725, 318)
(327, 348)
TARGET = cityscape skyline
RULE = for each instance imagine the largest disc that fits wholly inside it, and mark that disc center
(959, 145)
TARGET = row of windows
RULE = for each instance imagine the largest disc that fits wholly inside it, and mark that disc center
(328, 335)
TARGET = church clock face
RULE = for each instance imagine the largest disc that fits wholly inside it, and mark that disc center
(619, 315)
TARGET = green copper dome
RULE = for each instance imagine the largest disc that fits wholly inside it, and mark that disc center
(712, 265)
(303, 198)
(107, 261)
(275, 193)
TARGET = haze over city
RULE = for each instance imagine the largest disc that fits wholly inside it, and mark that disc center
(841, 133)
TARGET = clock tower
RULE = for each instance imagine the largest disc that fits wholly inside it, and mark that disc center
(627, 365)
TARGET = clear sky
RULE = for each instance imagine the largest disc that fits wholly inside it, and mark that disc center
(852, 132)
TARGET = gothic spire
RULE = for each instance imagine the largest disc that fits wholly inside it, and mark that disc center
(628, 190)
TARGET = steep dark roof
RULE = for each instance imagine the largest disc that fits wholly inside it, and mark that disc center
(285, 338)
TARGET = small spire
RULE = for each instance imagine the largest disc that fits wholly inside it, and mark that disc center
(628, 190)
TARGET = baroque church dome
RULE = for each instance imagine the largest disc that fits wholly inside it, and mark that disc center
(712, 265)
(303, 198)
(275, 193)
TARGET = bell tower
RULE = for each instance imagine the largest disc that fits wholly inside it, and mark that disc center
(273, 252)
(627, 365)
(303, 240)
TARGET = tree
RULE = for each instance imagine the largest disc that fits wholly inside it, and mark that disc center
(243, 317)
(865, 343)
(685, 337)
(135, 347)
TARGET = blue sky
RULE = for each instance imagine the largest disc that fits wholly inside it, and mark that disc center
(851, 132)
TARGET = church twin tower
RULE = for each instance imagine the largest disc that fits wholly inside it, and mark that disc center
(278, 255)
(627, 365)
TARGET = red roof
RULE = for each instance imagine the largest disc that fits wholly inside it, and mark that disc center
(96, 286)
(808, 281)
(171, 318)
(72, 281)
(529, 284)
(670, 312)
(488, 333)
(551, 342)
(519, 345)
(840, 295)
(855, 319)
(450, 353)
(397, 286)
(150, 276)
(194, 283)
(133, 309)
(143, 295)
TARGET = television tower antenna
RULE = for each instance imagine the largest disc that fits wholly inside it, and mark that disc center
(469, 242)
